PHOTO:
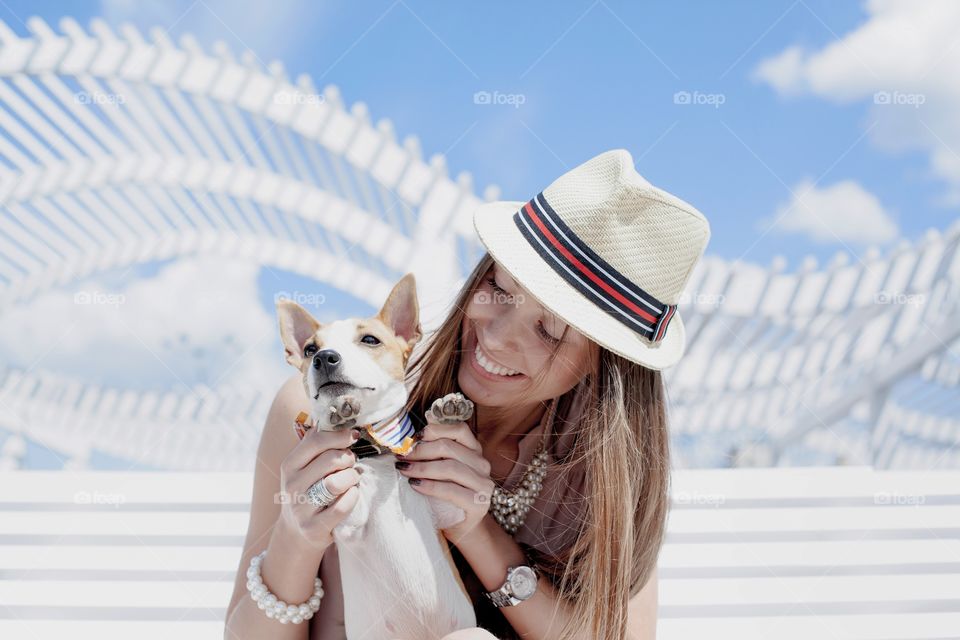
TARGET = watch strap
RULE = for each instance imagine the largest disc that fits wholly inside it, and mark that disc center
(500, 598)
(503, 597)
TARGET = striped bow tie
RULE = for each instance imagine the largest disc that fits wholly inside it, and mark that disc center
(395, 433)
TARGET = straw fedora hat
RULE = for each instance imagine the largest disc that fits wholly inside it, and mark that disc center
(607, 252)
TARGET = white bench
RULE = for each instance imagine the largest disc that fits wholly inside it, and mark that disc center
(767, 553)
(841, 552)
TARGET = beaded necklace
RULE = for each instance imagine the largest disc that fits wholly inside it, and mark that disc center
(509, 508)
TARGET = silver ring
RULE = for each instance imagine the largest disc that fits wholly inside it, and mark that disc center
(319, 496)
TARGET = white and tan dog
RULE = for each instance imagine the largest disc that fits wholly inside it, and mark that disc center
(398, 576)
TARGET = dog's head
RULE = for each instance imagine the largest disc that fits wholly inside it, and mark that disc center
(364, 358)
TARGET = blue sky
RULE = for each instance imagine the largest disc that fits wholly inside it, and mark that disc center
(598, 75)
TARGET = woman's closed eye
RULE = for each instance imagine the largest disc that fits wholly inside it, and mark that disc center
(543, 332)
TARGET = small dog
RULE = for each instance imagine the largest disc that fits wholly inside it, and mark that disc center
(399, 579)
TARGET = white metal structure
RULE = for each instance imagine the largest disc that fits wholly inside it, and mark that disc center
(751, 553)
(118, 150)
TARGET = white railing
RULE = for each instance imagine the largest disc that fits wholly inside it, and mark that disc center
(118, 150)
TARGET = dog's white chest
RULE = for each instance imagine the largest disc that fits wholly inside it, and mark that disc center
(397, 573)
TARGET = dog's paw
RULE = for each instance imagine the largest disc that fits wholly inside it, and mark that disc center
(453, 407)
(343, 412)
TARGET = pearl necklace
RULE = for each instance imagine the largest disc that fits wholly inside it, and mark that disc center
(509, 508)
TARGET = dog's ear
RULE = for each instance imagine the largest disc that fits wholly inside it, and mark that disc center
(401, 311)
(296, 327)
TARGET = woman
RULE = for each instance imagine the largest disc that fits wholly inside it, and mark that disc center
(558, 337)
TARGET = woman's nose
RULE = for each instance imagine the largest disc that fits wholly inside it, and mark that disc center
(500, 335)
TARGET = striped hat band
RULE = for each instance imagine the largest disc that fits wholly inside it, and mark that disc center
(590, 274)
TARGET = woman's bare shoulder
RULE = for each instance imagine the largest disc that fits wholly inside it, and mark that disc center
(278, 437)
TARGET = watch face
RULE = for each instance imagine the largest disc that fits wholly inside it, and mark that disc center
(523, 582)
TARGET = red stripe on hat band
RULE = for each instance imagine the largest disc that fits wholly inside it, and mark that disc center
(666, 321)
(584, 269)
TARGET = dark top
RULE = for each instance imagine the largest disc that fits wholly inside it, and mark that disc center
(551, 524)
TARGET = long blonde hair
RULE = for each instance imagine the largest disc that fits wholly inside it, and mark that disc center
(622, 439)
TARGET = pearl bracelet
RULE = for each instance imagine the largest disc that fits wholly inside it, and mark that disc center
(273, 606)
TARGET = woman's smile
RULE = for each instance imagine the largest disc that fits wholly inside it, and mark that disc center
(475, 365)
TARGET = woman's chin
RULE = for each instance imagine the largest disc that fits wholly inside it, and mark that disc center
(473, 388)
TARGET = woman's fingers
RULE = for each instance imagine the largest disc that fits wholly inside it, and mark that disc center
(456, 494)
(324, 520)
(447, 448)
(339, 482)
(316, 442)
(459, 431)
(449, 470)
(324, 464)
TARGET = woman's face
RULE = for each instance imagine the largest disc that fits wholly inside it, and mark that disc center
(516, 336)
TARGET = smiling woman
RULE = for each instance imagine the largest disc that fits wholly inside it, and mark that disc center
(567, 533)
(558, 337)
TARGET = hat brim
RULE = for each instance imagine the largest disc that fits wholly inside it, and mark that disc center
(501, 237)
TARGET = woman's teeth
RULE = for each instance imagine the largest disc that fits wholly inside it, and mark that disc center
(490, 367)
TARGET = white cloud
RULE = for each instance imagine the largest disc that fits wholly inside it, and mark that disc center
(196, 321)
(784, 72)
(904, 60)
(844, 212)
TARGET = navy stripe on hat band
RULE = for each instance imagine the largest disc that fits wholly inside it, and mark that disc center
(581, 267)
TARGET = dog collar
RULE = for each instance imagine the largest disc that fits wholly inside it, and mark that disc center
(394, 433)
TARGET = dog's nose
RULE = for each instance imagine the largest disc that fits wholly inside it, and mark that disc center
(327, 360)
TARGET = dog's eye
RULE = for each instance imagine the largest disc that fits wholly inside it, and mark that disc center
(309, 350)
(370, 339)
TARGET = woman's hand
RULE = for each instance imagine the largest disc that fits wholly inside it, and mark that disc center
(319, 454)
(449, 464)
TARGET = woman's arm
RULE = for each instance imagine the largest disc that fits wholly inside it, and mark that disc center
(490, 550)
(291, 563)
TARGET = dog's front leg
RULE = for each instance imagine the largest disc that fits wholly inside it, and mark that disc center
(449, 409)
(341, 414)
(352, 527)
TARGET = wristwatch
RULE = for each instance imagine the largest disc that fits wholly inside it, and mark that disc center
(521, 583)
